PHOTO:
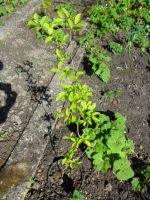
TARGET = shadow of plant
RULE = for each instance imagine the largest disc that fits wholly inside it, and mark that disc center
(37, 92)
(10, 98)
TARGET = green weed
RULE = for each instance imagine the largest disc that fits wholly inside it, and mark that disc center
(142, 183)
(113, 93)
(97, 57)
(109, 149)
(115, 47)
(77, 195)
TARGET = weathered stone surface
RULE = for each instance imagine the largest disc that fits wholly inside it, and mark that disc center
(18, 17)
(21, 50)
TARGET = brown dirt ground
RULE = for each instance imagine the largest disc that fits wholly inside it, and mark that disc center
(130, 74)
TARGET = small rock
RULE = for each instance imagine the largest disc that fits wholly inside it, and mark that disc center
(39, 171)
(108, 187)
(16, 119)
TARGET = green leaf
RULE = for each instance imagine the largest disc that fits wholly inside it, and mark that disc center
(120, 118)
(60, 63)
(129, 147)
(58, 20)
(2, 10)
(54, 70)
(77, 195)
(122, 169)
(48, 39)
(70, 23)
(79, 26)
(60, 96)
(116, 142)
(87, 143)
(71, 97)
(65, 38)
(67, 112)
(50, 30)
(42, 20)
(4, 136)
(74, 118)
(65, 12)
(100, 164)
(36, 17)
(46, 26)
(89, 152)
(103, 72)
(60, 13)
(32, 24)
(59, 53)
(77, 19)
(136, 184)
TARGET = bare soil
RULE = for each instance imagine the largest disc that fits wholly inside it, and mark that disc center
(130, 74)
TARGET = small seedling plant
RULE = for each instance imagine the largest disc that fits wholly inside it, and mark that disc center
(98, 58)
(115, 47)
(141, 183)
(52, 30)
(77, 195)
(113, 93)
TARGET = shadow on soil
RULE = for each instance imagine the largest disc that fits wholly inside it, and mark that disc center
(10, 98)
(87, 66)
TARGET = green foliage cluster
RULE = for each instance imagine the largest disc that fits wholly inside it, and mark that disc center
(80, 109)
(52, 29)
(109, 149)
(69, 7)
(99, 60)
(115, 47)
(130, 16)
(97, 57)
(142, 183)
(48, 29)
(46, 7)
(8, 6)
(104, 138)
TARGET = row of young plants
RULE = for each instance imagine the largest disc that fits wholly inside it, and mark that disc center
(103, 137)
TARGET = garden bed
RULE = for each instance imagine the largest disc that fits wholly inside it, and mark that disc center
(133, 81)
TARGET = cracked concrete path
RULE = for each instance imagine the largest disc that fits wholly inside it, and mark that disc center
(25, 62)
